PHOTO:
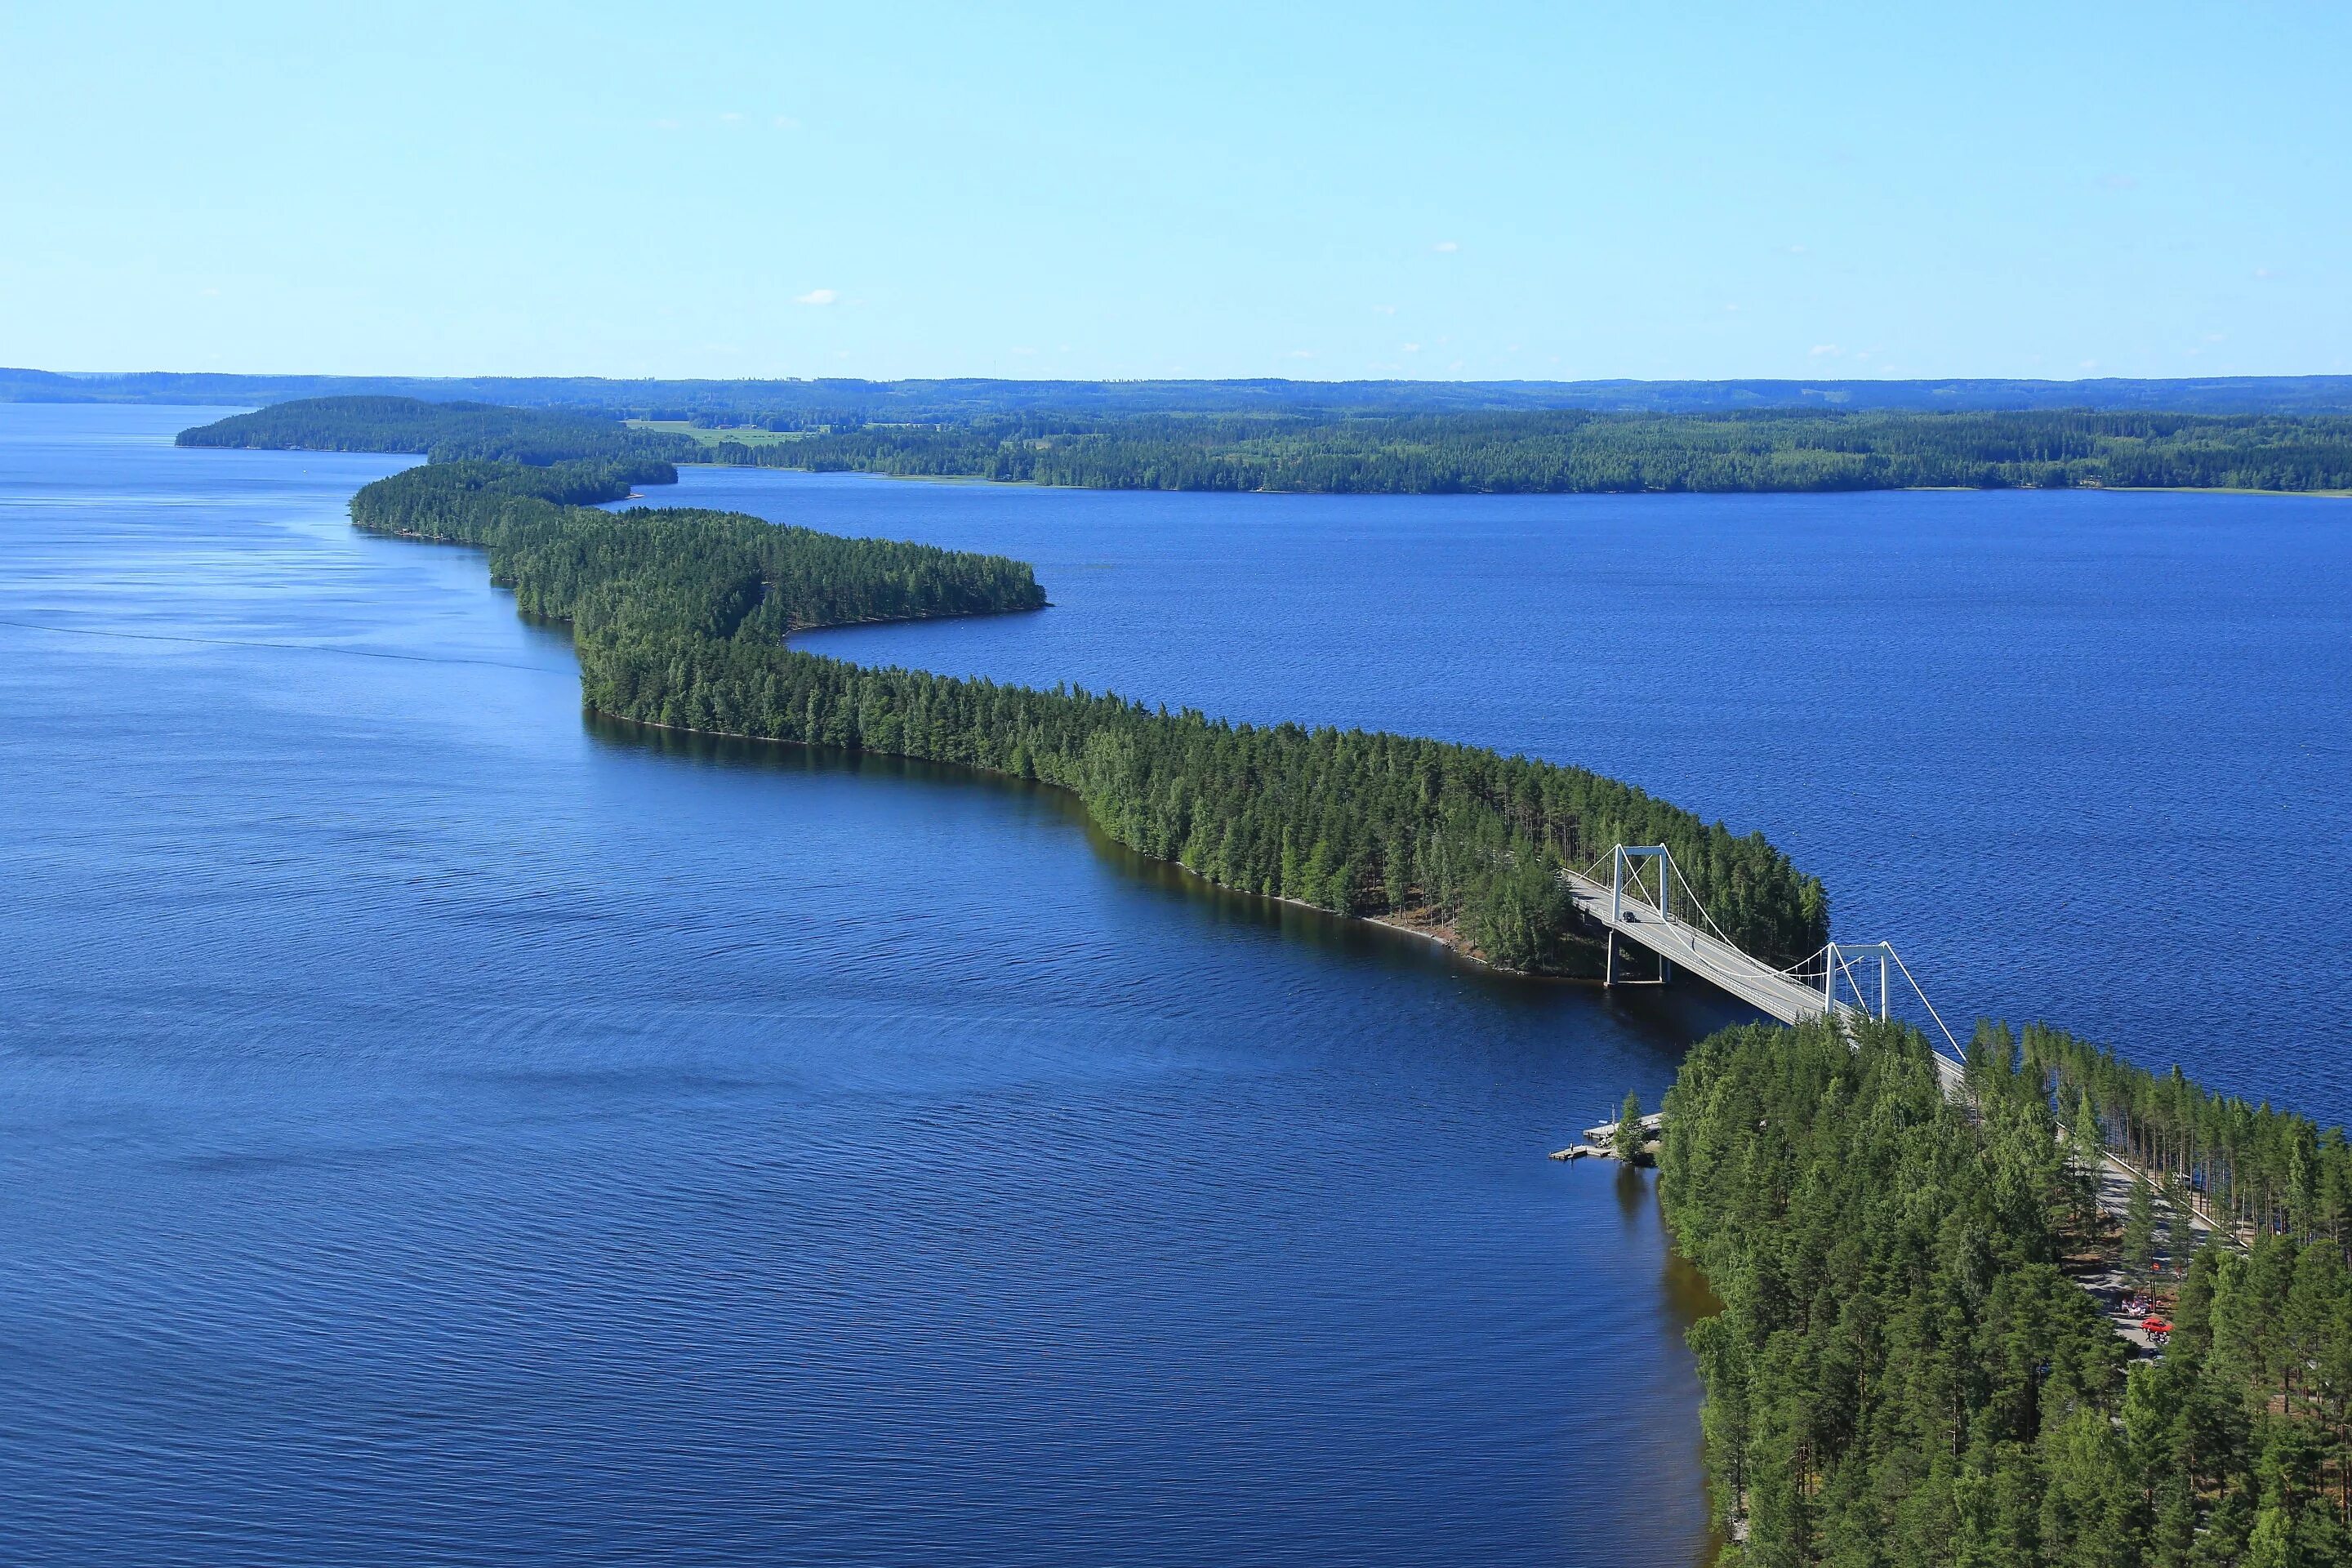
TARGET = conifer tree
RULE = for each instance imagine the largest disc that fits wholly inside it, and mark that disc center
(2086, 1153)
(1628, 1142)
(2139, 1234)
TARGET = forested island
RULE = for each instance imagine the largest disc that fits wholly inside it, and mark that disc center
(451, 432)
(1547, 452)
(1904, 1372)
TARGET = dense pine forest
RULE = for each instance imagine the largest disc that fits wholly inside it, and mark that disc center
(1904, 1373)
(705, 573)
(679, 618)
(2250, 1169)
(1550, 452)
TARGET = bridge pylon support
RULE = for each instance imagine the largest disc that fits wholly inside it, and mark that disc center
(1620, 862)
(1621, 870)
(1840, 955)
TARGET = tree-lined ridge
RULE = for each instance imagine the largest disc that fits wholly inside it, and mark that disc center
(680, 618)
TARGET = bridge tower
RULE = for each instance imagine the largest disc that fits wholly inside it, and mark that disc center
(1621, 869)
(1841, 955)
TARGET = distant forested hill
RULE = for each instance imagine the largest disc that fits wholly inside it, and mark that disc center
(445, 432)
(796, 404)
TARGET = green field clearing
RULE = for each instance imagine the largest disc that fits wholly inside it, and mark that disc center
(749, 434)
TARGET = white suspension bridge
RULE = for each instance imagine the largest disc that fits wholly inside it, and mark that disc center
(1638, 904)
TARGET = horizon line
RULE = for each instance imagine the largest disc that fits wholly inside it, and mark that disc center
(1188, 380)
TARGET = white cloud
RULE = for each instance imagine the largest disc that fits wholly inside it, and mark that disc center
(1413, 348)
(786, 122)
(2090, 364)
(1446, 247)
(1384, 310)
(815, 297)
(1825, 351)
(1796, 250)
(730, 118)
(1300, 353)
(2264, 272)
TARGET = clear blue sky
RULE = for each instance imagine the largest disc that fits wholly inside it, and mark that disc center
(1324, 191)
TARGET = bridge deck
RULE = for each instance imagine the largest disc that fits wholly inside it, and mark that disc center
(1706, 955)
(1719, 963)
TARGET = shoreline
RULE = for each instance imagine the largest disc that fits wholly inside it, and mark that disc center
(1452, 946)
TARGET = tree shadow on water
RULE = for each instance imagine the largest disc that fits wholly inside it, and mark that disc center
(1203, 899)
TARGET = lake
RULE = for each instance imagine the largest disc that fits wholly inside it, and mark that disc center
(435, 1127)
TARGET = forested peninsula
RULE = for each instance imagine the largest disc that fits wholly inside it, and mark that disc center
(1544, 452)
(680, 618)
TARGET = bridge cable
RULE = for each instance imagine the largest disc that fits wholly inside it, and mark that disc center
(1922, 995)
(1805, 963)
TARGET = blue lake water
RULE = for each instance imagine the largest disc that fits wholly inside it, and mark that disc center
(434, 1127)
